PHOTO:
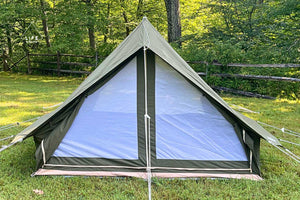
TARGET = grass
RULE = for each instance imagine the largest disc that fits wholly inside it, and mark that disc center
(23, 97)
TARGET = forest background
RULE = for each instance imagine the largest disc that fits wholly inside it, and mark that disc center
(222, 31)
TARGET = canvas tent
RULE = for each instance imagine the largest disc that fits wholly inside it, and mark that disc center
(144, 109)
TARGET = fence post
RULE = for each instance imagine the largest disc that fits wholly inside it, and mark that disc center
(206, 71)
(96, 58)
(58, 63)
(28, 63)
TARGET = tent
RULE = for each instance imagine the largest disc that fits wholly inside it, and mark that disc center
(144, 110)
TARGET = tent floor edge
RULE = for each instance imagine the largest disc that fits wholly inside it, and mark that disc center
(143, 175)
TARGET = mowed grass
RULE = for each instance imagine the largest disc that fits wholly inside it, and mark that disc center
(23, 97)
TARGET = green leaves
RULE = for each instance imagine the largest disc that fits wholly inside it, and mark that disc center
(227, 31)
(69, 22)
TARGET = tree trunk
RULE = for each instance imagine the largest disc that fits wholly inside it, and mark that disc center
(91, 24)
(125, 17)
(126, 23)
(9, 43)
(92, 37)
(174, 24)
(139, 10)
(44, 22)
(29, 70)
(24, 43)
(4, 60)
(106, 32)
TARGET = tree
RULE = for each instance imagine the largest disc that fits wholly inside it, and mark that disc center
(7, 27)
(4, 60)
(122, 3)
(91, 24)
(44, 22)
(139, 10)
(174, 23)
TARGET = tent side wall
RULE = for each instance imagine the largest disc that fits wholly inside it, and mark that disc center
(249, 139)
(49, 140)
(160, 46)
(123, 167)
(54, 129)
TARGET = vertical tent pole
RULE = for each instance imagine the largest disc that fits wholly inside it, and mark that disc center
(250, 161)
(147, 127)
(250, 152)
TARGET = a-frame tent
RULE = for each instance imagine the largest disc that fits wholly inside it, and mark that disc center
(145, 109)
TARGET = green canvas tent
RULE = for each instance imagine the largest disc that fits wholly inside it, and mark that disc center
(145, 110)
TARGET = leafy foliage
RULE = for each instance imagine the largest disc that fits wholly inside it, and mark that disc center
(250, 31)
(227, 31)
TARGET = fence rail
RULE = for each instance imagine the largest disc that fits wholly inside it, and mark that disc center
(16, 63)
(288, 65)
(244, 76)
(62, 54)
(58, 62)
(244, 93)
(61, 70)
(65, 63)
(274, 78)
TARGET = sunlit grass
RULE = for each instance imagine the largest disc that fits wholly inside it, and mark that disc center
(24, 97)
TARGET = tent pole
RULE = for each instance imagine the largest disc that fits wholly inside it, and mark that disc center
(7, 146)
(147, 127)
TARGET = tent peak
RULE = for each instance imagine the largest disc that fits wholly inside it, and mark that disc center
(146, 39)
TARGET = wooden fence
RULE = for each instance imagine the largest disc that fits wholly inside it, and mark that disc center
(58, 62)
(246, 76)
(274, 78)
(289, 65)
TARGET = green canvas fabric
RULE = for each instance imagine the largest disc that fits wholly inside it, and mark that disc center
(53, 136)
(144, 35)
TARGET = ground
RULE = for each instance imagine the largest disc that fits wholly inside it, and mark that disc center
(23, 97)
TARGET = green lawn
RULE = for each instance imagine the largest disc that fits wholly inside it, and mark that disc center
(23, 97)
